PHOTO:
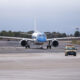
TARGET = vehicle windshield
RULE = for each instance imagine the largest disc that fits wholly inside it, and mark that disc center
(70, 48)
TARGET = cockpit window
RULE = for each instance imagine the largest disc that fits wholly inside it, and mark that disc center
(41, 35)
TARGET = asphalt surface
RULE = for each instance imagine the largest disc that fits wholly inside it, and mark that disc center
(18, 63)
(37, 66)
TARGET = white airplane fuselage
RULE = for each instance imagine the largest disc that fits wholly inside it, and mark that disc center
(39, 38)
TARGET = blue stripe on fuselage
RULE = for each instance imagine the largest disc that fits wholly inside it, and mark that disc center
(41, 39)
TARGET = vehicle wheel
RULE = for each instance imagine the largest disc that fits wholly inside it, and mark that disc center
(66, 54)
(75, 54)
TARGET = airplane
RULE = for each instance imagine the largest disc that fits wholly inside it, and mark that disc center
(39, 38)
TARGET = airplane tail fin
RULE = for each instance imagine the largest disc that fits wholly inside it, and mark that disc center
(35, 25)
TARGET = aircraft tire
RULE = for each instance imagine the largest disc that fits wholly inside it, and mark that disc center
(28, 46)
(48, 47)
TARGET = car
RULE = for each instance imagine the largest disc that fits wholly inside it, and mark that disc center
(70, 50)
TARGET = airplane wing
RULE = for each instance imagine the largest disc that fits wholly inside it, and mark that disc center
(15, 38)
(51, 39)
(64, 38)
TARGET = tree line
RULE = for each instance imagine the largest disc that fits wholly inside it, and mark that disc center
(28, 34)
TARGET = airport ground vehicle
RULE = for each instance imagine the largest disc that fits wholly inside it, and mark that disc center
(70, 50)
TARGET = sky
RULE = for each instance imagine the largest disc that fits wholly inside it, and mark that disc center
(51, 15)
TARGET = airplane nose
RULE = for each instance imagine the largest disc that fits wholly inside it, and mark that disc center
(41, 39)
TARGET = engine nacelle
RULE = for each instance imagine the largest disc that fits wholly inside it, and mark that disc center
(55, 43)
(23, 43)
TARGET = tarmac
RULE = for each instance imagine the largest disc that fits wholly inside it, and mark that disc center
(17, 63)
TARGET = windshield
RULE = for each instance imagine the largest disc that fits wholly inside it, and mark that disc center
(70, 48)
(41, 35)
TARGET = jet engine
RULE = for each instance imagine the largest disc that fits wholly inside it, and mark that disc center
(55, 43)
(23, 43)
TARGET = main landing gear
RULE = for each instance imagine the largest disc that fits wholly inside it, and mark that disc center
(49, 46)
(27, 46)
